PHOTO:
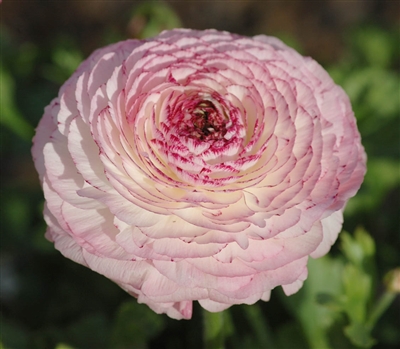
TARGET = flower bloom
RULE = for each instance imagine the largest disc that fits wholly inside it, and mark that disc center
(198, 165)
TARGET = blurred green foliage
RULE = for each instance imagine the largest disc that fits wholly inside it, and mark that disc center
(152, 17)
(9, 114)
(65, 58)
(50, 302)
(127, 332)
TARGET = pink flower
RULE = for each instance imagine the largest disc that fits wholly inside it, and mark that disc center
(198, 165)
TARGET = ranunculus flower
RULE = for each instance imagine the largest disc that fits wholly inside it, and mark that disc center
(198, 165)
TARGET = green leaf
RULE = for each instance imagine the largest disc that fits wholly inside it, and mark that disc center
(360, 250)
(366, 242)
(358, 283)
(324, 276)
(359, 335)
(351, 249)
(357, 275)
(357, 289)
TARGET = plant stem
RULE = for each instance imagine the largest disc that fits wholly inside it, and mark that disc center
(380, 307)
(213, 330)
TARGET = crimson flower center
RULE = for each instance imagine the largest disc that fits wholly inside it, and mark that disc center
(204, 122)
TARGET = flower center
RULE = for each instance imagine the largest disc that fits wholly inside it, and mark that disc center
(204, 122)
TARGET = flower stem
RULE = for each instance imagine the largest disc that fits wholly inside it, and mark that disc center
(213, 330)
(380, 307)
